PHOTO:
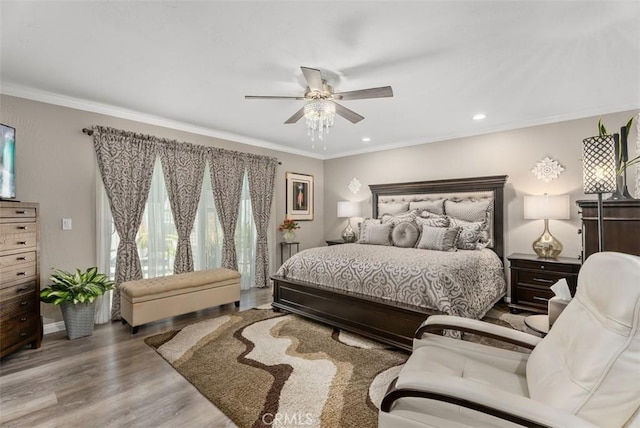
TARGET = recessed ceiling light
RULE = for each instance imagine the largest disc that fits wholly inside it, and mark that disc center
(479, 116)
(366, 139)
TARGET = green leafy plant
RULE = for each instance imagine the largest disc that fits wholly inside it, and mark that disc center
(602, 131)
(78, 287)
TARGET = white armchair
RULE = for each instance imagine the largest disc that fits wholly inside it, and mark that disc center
(584, 373)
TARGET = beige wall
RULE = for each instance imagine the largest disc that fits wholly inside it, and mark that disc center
(56, 167)
(513, 153)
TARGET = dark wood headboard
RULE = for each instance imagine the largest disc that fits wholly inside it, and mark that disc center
(493, 184)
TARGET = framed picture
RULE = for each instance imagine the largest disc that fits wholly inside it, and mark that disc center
(299, 196)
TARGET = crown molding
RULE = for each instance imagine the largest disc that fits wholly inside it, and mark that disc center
(109, 110)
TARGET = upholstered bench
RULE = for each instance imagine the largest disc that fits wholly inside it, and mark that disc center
(153, 299)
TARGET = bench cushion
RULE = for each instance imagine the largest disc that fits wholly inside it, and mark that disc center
(168, 285)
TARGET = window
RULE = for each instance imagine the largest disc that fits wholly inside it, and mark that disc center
(157, 237)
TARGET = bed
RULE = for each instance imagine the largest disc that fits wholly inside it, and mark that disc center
(385, 292)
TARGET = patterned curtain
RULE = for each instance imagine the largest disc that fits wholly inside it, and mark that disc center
(183, 168)
(261, 172)
(125, 160)
(227, 168)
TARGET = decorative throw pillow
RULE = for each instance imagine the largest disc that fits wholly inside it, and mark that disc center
(392, 208)
(434, 221)
(405, 234)
(399, 218)
(473, 235)
(468, 210)
(375, 234)
(438, 238)
(436, 206)
(368, 221)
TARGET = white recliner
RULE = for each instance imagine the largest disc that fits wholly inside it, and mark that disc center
(584, 373)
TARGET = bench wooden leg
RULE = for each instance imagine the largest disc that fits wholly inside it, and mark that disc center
(124, 321)
(237, 303)
(134, 330)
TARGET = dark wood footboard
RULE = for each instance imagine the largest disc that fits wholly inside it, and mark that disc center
(387, 322)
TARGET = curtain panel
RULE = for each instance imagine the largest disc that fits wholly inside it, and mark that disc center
(261, 172)
(227, 169)
(183, 167)
(125, 160)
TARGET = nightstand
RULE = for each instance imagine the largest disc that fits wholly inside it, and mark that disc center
(331, 242)
(532, 277)
(289, 247)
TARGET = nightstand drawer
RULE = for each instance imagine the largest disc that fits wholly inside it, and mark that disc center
(543, 265)
(539, 278)
(538, 297)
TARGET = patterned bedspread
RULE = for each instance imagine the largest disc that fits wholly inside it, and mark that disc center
(464, 283)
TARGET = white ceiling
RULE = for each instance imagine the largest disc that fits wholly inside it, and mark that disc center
(189, 64)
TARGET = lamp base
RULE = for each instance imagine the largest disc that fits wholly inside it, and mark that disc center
(348, 235)
(546, 246)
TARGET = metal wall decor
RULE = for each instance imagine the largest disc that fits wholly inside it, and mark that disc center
(547, 169)
(354, 185)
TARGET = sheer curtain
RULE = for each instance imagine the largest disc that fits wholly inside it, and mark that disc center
(157, 237)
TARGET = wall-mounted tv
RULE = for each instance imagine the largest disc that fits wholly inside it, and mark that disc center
(7, 162)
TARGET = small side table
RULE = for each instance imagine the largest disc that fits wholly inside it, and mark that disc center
(331, 242)
(288, 246)
(538, 323)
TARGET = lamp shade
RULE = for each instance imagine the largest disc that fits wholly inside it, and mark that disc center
(348, 209)
(599, 164)
(554, 207)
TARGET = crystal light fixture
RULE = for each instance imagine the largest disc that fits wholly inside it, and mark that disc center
(319, 114)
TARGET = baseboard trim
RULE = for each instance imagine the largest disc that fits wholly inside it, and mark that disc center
(53, 327)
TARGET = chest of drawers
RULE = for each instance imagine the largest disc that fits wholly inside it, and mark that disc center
(20, 323)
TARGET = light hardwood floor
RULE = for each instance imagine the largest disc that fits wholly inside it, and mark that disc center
(110, 379)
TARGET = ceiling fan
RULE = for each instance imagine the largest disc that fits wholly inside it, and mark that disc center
(320, 101)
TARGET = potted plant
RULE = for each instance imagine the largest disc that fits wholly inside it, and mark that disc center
(288, 228)
(76, 294)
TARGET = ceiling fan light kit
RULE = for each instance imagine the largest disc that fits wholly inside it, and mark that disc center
(319, 114)
(320, 109)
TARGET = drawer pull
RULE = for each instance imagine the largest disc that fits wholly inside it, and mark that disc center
(21, 242)
(25, 303)
(21, 258)
(544, 299)
(23, 334)
(542, 267)
(546, 281)
(23, 288)
(21, 273)
(23, 319)
(21, 227)
(21, 212)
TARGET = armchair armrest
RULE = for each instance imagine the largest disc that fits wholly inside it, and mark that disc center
(437, 323)
(517, 409)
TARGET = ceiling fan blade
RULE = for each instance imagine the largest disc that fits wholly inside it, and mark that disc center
(382, 92)
(271, 97)
(350, 115)
(296, 116)
(313, 78)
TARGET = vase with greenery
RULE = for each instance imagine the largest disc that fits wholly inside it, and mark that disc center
(76, 294)
(288, 229)
(622, 158)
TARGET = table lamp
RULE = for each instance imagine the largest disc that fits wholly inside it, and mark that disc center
(348, 209)
(546, 207)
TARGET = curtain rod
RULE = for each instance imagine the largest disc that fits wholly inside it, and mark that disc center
(90, 132)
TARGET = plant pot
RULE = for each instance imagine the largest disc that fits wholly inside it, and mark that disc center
(78, 318)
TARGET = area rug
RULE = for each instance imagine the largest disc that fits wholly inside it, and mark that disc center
(262, 368)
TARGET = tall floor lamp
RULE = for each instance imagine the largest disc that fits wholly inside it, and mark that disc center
(599, 172)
